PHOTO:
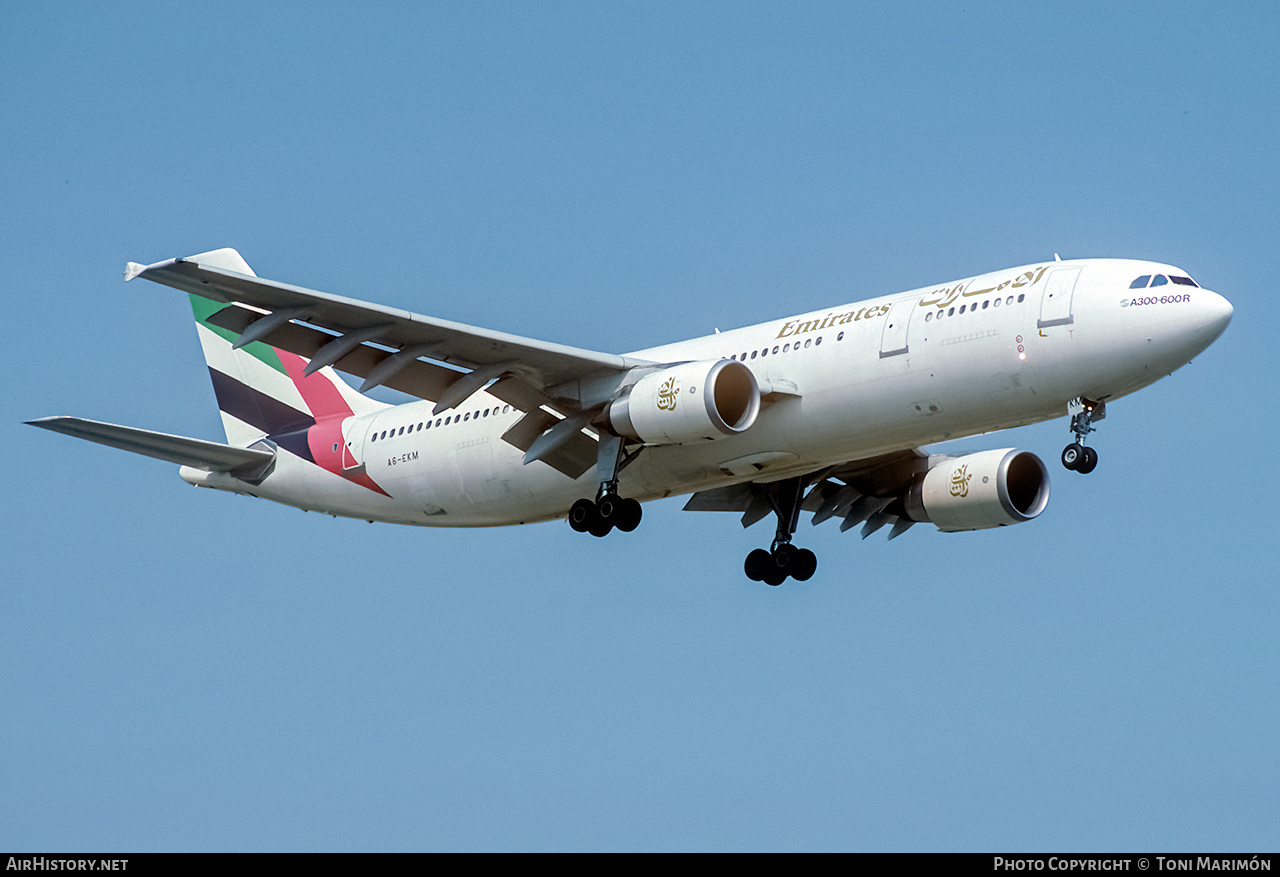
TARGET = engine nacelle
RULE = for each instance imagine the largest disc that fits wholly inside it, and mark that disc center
(981, 490)
(690, 402)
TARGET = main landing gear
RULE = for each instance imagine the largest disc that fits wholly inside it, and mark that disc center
(783, 560)
(609, 510)
(1076, 456)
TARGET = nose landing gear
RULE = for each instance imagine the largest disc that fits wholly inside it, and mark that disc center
(1076, 456)
(1079, 458)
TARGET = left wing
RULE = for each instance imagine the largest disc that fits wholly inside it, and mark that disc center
(866, 492)
(437, 360)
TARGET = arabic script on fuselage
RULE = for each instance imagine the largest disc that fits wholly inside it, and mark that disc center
(946, 295)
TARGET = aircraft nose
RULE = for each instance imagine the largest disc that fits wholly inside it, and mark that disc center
(1175, 327)
(1215, 314)
(1204, 318)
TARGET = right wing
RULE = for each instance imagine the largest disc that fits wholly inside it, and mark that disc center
(437, 360)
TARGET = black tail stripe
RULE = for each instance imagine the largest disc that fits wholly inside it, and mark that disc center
(260, 410)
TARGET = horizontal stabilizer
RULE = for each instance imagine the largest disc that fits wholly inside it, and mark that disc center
(196, 453)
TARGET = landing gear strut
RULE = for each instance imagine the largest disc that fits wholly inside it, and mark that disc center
(1076, 456)
(783, 560)
(608, 510)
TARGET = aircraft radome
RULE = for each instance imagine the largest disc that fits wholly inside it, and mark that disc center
(823, 412)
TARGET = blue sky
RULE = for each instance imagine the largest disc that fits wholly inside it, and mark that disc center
(188, 670)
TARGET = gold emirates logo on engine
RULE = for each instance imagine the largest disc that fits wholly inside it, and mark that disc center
(667, 394)
(960, 481)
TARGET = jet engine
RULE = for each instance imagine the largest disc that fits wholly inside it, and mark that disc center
(981, 490)
(693, 401)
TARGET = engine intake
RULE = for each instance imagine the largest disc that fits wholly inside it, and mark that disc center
(980, 490)
(693, 401)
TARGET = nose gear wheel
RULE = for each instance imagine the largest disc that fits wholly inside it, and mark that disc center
(1077, 457)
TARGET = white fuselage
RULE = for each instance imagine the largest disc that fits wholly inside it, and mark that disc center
(985, 353)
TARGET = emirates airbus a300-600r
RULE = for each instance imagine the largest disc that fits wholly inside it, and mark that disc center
(823, 412)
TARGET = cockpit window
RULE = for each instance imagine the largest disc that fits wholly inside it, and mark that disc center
(1160, 280)
(1183, 281)
(1141, 282)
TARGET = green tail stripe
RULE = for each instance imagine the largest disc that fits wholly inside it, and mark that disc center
(205, 308)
